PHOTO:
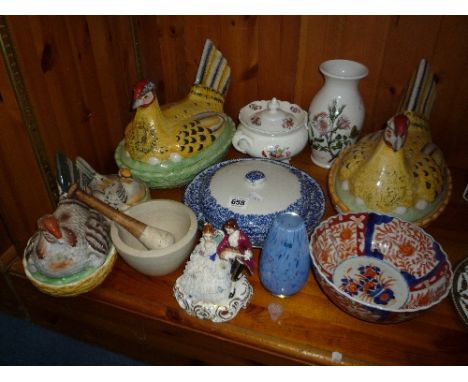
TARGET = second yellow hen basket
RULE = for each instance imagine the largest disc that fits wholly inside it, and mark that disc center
(398, 171)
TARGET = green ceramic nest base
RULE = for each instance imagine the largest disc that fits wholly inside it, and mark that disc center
(170, 174)
(63, 280)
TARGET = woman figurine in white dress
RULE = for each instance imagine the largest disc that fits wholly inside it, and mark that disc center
(207, 288)
(206, 276)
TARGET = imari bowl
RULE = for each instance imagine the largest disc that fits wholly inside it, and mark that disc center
(379, 268)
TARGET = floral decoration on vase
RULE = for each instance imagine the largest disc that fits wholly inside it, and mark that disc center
(331, 131)
(336, 113)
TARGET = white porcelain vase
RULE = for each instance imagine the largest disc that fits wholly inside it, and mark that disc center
(336, 113)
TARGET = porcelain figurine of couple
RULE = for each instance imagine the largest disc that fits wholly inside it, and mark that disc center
(213, 285)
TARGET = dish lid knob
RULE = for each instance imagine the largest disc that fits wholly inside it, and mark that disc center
(255, 177)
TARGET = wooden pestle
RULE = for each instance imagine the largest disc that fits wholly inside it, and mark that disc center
(150, 237)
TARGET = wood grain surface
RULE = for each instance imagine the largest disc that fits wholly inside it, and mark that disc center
(79, 72)
(131, 309)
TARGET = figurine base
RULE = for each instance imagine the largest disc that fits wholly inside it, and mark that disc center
(224, 311)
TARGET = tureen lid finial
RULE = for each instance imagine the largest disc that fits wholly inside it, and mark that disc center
(273, 105)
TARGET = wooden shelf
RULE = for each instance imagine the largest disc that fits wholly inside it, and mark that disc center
(138, 315)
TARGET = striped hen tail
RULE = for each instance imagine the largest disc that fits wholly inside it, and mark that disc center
(421, 91)
(213, 71)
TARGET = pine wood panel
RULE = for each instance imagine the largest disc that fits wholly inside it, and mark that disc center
(23, 196)
(359, 38)
(79, 72)
(238, 40)
(448, 119)
(280, 55)
(278, 50)
(409, 39)
(147, 32)
(171, 45)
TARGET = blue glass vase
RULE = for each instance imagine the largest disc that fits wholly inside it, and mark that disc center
(285, 261)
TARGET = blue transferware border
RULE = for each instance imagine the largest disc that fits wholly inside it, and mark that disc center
(310, 205)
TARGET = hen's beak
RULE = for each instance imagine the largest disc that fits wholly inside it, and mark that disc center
(50, 224)
(401, 124)
(137, 103)
(398, 142)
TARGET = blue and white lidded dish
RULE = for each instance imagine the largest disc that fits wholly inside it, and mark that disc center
(254, 191)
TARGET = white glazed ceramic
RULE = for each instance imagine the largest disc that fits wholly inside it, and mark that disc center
(254, 191)
(271, 129)
(206, 289)
(360, 271)
(337, 111)
(169, 215)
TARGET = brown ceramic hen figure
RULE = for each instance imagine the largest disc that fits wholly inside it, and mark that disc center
(398, 168)
(182, 129)
(68, 241)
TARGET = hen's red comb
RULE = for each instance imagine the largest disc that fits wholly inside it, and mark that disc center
(141, 88)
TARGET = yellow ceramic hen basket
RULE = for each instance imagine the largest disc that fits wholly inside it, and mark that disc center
(382, 179)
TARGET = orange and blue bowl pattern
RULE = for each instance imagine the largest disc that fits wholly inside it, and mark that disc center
(379, 268)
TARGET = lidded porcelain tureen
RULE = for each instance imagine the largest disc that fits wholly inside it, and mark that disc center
(254, 191)
(271, 129)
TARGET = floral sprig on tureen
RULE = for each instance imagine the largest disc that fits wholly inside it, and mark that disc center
(287, 123)
(255, 106)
